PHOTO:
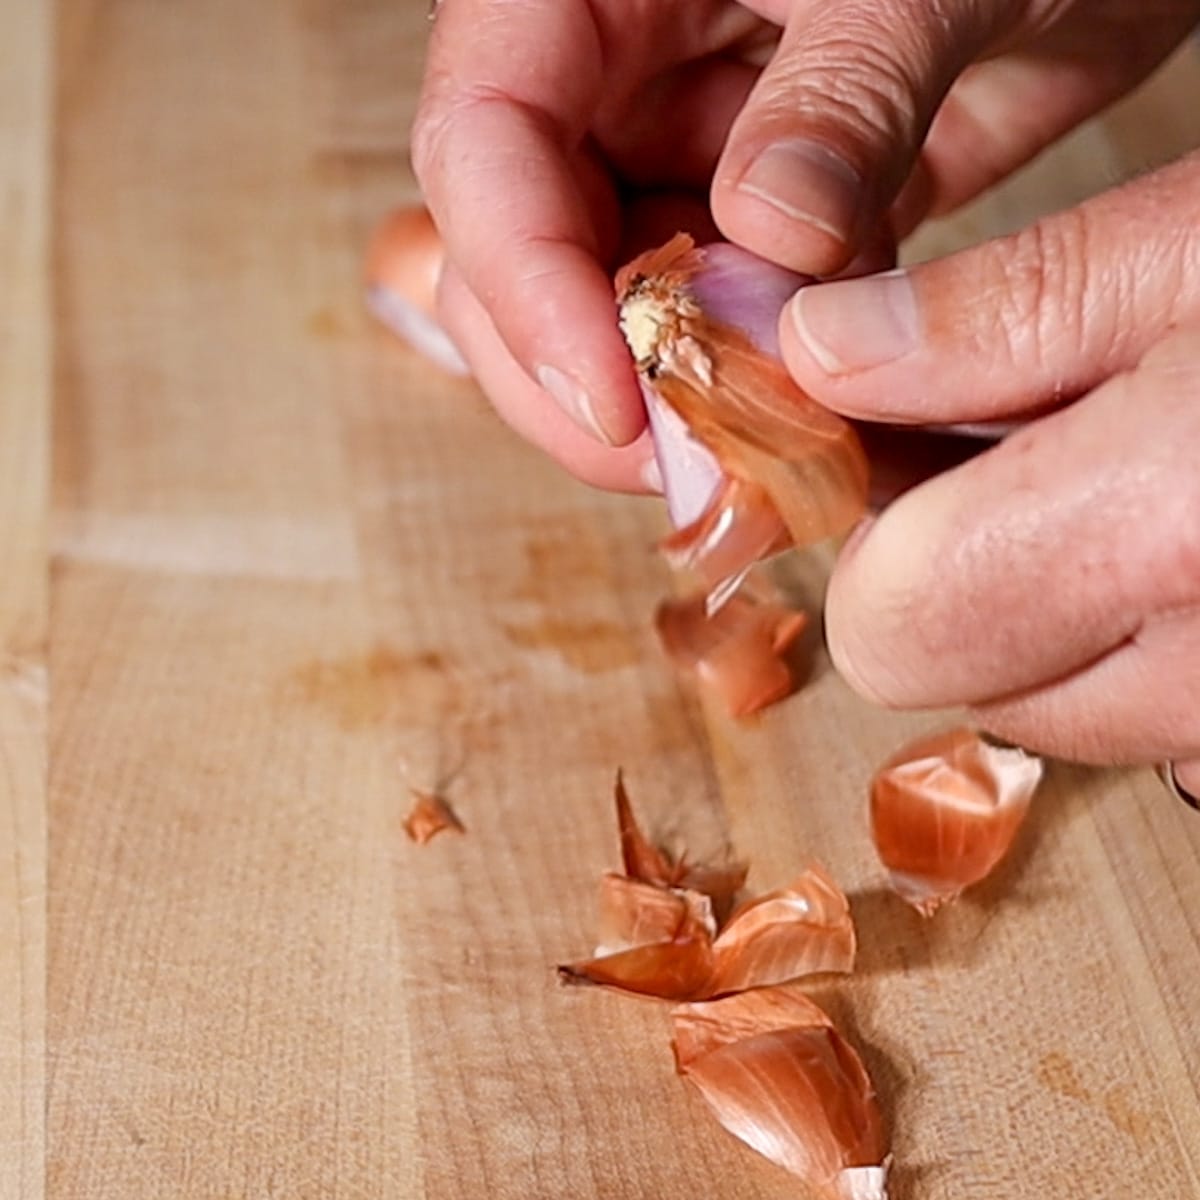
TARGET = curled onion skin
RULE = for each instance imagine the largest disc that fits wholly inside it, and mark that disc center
(804, 928)
(709, 1024)
(734, 396)
(738, 653)
(677, 969)
(739, 527)
(778, 1076)
(633, 913)
(647, 862)
(403, 267)
(945, 810)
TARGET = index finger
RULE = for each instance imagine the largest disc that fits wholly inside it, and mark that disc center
(509, 91)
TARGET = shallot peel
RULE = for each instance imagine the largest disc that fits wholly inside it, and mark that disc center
(403, 267)
(674, 969)
(777, 1075)
(633, 913)
(738, 653)
(701, 326)
(658, 931)
(804, 928)
(945, 810)
(429, 816)
(650, 863)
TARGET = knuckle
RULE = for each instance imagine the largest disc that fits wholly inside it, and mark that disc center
(1041, 293)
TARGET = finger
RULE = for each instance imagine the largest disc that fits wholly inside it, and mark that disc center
(672, 131)
(525, 407)
(834, 124)
(492, 146)
(1187, 776)
(1037, 558)
(1002, 112)
(1139, 703)
(1013, 325)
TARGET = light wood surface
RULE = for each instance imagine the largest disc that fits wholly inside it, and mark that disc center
(25, 139)
(295, 571)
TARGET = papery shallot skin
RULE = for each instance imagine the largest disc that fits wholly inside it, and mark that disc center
(633, 913)
(739, 653)
(777, 1075)
(645, 861)
(802, 929)
(945, 810)
(734, 397)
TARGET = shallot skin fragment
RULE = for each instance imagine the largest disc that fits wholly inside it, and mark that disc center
(945, 810)
(647, 862)
(403, 267)
(778, 1076)
(738, 653)
(802, 929)
(428, 817)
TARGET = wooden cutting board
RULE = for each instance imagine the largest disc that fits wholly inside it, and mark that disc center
(295, 571)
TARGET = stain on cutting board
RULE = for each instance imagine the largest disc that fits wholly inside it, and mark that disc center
(365, 690)
(1057, 1073)
(593, 647)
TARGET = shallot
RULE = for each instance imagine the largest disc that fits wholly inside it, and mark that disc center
(403, 267)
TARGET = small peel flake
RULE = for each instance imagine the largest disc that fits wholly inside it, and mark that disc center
(429, 816)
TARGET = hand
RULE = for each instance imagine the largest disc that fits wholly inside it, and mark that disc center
(1053, 583)
(539, 116)
(539, 119)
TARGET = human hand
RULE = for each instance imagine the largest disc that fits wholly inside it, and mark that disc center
(540, 119)
(1053, 583)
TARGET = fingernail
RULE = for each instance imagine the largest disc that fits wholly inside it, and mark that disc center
(652, 476)
(856, 324)
(574, 401)
(807, 182)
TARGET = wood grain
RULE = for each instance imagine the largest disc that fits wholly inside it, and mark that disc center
(296, 572)
(25, 97)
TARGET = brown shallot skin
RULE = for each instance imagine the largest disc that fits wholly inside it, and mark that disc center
(739, 653)
(778, 1075)
(735, 398)
(804, 928)
(429, 816)
(651, 864)
(945, 810)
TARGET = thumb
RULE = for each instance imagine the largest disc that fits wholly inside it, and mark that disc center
(834, 125)
(1012, 325)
